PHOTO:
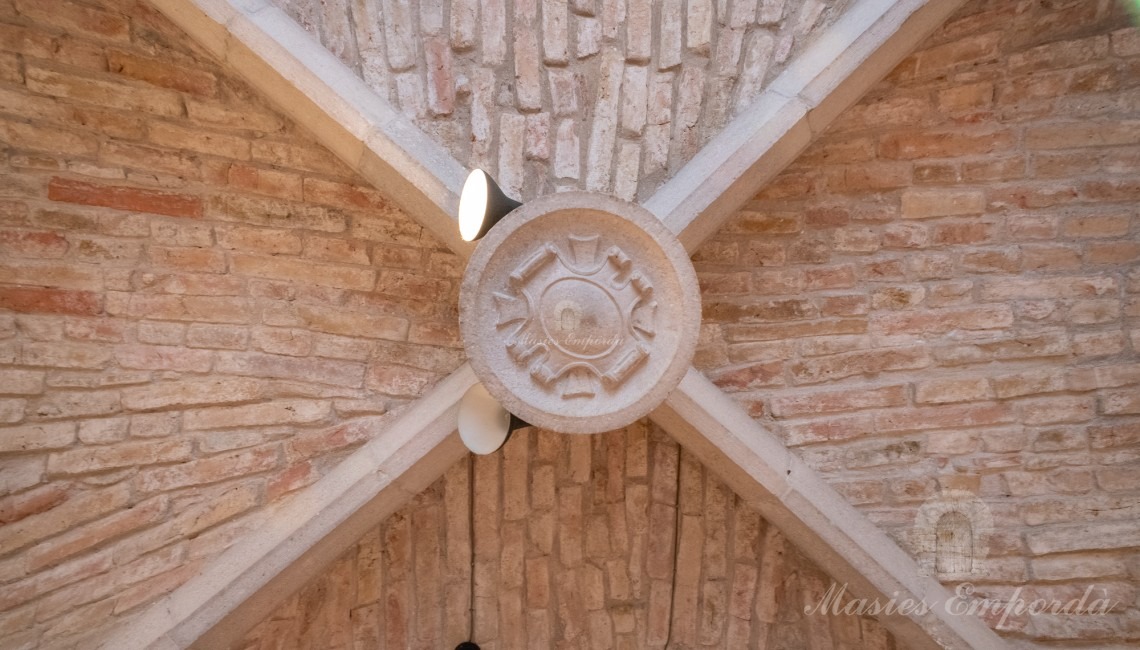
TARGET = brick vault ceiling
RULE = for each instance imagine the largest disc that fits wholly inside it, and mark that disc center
(604, 95)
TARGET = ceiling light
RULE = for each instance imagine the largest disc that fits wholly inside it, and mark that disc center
(481, 205)
(484, 425)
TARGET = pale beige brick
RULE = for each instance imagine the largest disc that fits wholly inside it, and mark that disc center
(554, 32)
(528, 74)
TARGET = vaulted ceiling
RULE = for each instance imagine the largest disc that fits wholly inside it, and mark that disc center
(409, 95)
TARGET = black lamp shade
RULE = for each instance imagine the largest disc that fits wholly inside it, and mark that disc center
(467, 645)
(481, 205)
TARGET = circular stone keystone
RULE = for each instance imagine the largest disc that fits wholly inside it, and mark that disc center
(579, 312)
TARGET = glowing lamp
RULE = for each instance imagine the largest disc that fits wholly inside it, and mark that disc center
(484, 425)
(481, 205)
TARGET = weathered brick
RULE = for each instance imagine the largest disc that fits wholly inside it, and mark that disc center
(838, 401)
(125, 198)
(103, 92)
(209, 470)
(923, 204)
(126, 454)
(278, 268)
(160, 73)
(838, 366)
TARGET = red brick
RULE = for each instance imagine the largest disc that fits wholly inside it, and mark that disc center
(944, 320)
(125, 198)
(31, 502)
(151, 159)
(1097, 226)
(343, 277)
(77, 18)
(284, 185)
(994, 168)
(755, 223)
(280, 411)
(838, 366)
(1030, 382)
(750, 377)
(836, 429)
(210, 143)
(769, 310)
(209, 309)
(125, 454)
(942, 417)
(156, 357)
(792, 330)
(927, 144)
(65, 355)
(79, 508)
(191, 392)
(321, 371)
(108, 93)
(293, 478)
(969, 50)
(991, 261)
(306, 445)
(832, 277)
(329, 249)
(202, 260)
(209, 470)
(724, 283)
(871, 176)
(82, 538)
(1112, 253)
(836, 401)
(344, 195)
(1050, 257)
(1064, 287)
(1051, 410)
(923, 204)
(20, 135)
(399, 381)
(176, 76)
(1121, 402)
(53, 301)
(1117, 190)
(25, 40)
(946, 391)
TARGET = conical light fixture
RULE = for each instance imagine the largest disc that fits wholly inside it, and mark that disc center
(481, 205)
(484, 425)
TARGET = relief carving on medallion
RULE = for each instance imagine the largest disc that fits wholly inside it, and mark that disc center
(578, 320)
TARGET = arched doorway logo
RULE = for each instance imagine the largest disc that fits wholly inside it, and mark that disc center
(950, 537)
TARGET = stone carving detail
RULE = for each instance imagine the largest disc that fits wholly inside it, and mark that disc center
(579, 312)
(579, 322)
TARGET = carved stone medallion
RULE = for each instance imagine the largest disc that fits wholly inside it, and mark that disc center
(579, 312)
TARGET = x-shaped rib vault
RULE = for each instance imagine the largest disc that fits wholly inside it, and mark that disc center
(275, 55)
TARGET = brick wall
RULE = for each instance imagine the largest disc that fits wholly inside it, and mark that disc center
(942, 293)
(549, 95)
(200, 309)
(576, 546)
